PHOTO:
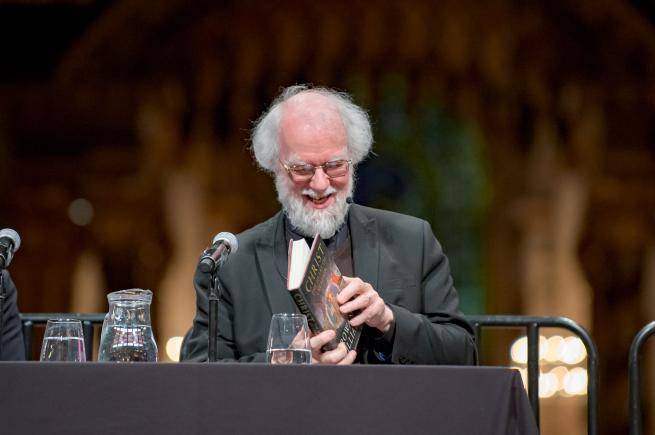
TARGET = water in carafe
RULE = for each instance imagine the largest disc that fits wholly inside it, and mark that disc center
(127, 331)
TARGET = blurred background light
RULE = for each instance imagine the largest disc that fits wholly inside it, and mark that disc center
(573, 351)
(80, 211)
(173, 348)
(548, 385)
(569, 350)
(554, 348)
(519, 351)
(555, 354)
(575, 382)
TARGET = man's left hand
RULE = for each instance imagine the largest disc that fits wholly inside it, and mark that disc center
(358, 295)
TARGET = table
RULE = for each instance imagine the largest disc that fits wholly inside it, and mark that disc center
(187, 398)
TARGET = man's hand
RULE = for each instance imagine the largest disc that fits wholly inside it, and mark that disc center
(361, 296)
(339, 355)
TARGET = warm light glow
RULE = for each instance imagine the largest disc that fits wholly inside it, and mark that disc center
(575, 382)
(548, 350)
(560, 372)
(173, 348)
(560, 380)
(573, 351)
(554, 348)
(519, 351)
(548, 385)
(569, 350)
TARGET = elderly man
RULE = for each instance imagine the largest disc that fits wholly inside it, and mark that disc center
(399, 286)
(12, 348)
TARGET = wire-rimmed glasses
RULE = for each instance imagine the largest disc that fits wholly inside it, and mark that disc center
(305, 171)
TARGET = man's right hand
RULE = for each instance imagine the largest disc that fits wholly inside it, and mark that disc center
(340, 355)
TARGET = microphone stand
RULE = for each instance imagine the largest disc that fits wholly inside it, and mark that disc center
(214, 297)
(210, 262)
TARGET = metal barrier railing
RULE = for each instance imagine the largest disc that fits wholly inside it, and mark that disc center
(88, 320)
(633, 364)
(532, 325)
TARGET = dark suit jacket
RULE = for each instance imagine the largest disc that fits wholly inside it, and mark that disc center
(12, 334)
(397, 254)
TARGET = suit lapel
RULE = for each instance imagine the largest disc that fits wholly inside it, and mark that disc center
(271, 254)
(365, 245)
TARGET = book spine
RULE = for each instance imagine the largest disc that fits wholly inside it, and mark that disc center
(303, 306)
(350, 336)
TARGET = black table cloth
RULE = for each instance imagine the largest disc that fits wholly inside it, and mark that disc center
(142, 398)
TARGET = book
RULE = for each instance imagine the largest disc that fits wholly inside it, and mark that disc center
(314, 281)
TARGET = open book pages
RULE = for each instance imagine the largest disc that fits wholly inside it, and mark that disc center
(298, 259)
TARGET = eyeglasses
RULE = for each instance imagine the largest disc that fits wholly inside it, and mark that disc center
(305, 171)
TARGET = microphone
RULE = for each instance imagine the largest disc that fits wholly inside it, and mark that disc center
(9, 244)
(223, 245)
(210, 260)
(349, 200)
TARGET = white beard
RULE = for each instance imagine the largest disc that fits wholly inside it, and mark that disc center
(310, 221)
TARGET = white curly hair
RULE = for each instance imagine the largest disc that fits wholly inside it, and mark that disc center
(265, 135)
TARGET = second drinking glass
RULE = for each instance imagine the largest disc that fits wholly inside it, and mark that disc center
(288, 340)
(63, 341)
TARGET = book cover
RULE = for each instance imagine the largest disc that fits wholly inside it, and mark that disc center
(314, 281)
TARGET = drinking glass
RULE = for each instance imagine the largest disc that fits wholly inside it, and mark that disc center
(63, 341)
(288, 340)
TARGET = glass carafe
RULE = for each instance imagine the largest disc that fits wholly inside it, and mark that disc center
(127, 331)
